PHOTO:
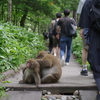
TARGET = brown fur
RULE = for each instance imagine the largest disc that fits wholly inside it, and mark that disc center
(31, 73)
(51, 68)
(41, 54)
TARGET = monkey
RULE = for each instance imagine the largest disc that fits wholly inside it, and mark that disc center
(31, 73)
(41, 54)
(50, 67)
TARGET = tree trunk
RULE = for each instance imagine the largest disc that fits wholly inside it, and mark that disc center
(9, 10)
(34, 28)
(2, 12)
(15, 16)
(38, 28)
(74, 15)
(22, 22)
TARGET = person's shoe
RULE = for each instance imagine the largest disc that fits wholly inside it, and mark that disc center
(55, 55)
(67, 63)
(84, 72)
(62, 61)
(98, 97)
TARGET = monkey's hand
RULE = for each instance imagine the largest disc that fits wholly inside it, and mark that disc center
(21, 82)
(38, 86)
(24, 69)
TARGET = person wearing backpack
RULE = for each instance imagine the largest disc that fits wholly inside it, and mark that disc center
(63, 28)
(56, 40)
(50, 40)
(89, 19)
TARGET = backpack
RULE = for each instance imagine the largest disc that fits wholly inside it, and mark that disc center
(95, 15)
(50, 34)
(72, 29)
(54, 29)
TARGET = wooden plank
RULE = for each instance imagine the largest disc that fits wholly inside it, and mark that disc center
(23, 95)
(87, 95)
(54, 88)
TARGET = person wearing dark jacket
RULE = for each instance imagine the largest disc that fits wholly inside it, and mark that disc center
(94, 46)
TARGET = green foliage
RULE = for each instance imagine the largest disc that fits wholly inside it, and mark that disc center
(2, 92)
(17, 45)
(77, 46)
(6, 81)
(3, 89)
(44, 7)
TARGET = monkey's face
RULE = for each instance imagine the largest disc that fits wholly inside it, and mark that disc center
(41, 54)
(32, 63)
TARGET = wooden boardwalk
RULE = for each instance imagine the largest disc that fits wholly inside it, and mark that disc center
(70, 78)
(70, 81)
(23, 95)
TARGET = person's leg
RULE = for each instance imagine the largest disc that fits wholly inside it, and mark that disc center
(58, 53)
(54, 51)
(69, 44)
(62, 46)
(84, 58)
(62, 49)
(55, 46)
(50, 43)
(58, 49)
(97, 80)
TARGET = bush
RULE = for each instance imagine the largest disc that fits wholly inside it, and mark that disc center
(17, 45)
(77, 47)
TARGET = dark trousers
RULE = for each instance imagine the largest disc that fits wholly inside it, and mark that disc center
(97, 79)
(50, 43)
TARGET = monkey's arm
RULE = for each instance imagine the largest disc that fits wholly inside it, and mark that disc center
(37, 78)
(40, 61)
(24, 69)
(45, 62)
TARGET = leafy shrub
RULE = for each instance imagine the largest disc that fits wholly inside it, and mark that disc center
(17, 45)
(2, 92)
(77, 47)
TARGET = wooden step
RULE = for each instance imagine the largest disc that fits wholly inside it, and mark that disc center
(23, 95)
(87, 94)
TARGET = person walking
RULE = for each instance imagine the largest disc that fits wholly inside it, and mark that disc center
(85, 47)
(50, 41)
(56, 40)
(65, 38)
(94, 46)
(83, 34)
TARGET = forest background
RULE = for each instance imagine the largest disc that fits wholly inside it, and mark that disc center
(35, 14)
(22, 23)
